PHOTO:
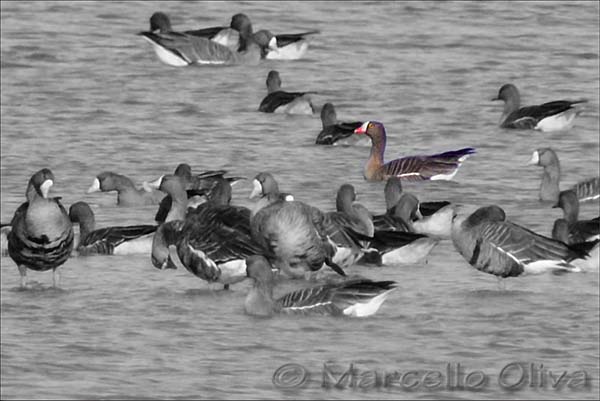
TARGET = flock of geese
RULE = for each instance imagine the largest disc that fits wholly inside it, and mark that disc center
(198, 228)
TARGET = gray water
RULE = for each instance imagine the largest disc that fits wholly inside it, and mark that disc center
(81, 93)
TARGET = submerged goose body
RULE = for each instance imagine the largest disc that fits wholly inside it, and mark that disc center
(552, 116)
(442, 166)
(353, 298)
(494, 245)
(116, 240)
(127, 193)
(41, 235)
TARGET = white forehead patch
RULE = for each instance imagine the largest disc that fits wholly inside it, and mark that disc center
(45, 187)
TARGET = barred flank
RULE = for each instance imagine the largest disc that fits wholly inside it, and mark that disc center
(40, 255)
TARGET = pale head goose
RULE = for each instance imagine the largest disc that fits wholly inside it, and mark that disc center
(551, 116)
(335, 132)
(579, 230)
(494, 245)
(354, 298)
(115, 240)
(279, 101)
(290, 232)
(41, 237)
(127, 193)
(585, 190)
(180, 49)
(442, 166)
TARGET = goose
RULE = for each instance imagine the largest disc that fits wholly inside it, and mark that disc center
(179, 49)
(404, 212)
(579, 230)
(547, 117)
(353, 298)
(290, 232)
(291, 46)
(226, 36)
(215, 239)
(41, 235)
(397, 248)
(586, 190)
(442, 166)
(279, 101)
(114, 240)
(127, 193)
(335, 132)
(494, 245)
(560, 232)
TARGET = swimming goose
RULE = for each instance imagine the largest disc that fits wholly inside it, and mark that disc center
(226, 36)
(41, 237)
(180, 49)
(586, 190)
(335, 132)
(290, 232)
(579, 230)
(279, 101)
(196, 186)
(560, 232)
(404, 212)
(215, 239)
(547, 117)
(494, 245)
(355, 298)
(284, 46)
(127, 193)
(116, 240)
(442, 166)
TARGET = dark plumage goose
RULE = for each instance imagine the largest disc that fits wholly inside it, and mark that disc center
(579, 230)
(279, 101)
(404, 212)
(127, 193)
(335, 132)
(117, 240)
(290, 232)
(291, 46)
(494, 245)
(180, 49)
(551, 116)
(585, 190)
(355, 298)
(215, 239)
(196, 186)
(442, 166)
(41, 237)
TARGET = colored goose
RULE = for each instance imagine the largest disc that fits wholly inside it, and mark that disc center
(560, 232)
(278, 101)
(404, 212)
(549, 188)
(284, 46)
(335, 132)
(494, 245)
(41, 237)
(547, 117)
(180, 49)
(117, 240)
(290, 232)
(579, 230)
(195, 186)
(127, 193)
(215, 239)
(355, 298)
(442, 166)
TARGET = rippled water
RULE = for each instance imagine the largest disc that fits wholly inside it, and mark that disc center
(81, 93)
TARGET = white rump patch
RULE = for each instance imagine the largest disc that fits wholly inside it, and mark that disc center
(233, 271)
(368, 308)
(257, 190)
(543, 266)
(293, 51)
(95, 186)
(140, 245)
(445, 177)
(557, 122)
(167, 56)
(414, 252)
